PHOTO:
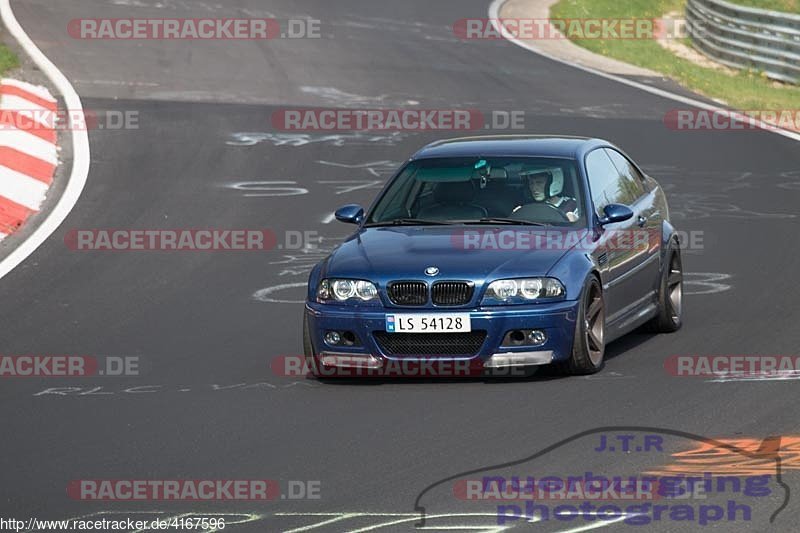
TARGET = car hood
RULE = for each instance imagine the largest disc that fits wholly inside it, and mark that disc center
(471, 253)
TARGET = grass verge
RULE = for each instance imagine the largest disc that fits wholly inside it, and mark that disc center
(8, 59)
(740, 90)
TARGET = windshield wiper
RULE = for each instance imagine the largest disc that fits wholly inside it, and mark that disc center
(408, 222)
(501, 220)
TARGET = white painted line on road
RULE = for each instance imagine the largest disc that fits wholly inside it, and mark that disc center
(80, 145)
(401, 518)
(494, 16)
(264, 295)
(597, 525)
(323, 523)
(705, 282)
(328, 218)
(416, 517)
(118, 83)
(789, 375)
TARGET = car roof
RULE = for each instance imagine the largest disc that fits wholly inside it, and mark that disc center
(511, 145)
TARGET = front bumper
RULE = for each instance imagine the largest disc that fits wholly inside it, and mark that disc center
(556, 319)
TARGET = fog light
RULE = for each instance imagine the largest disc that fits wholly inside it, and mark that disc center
(517, 337)
(536, 337)
(332, 338)
(524, 337)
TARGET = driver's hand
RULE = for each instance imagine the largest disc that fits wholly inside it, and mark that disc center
(572, 217)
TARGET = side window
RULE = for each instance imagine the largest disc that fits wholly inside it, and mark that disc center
(630, 180)
(398, 193)
(603, 179)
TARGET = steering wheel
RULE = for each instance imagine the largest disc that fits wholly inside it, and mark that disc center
(540, 212)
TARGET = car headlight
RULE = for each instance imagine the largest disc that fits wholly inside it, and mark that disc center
(523, 290)
(341, 290)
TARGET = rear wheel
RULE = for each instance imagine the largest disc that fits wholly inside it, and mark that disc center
(588, 345)
(670, 294)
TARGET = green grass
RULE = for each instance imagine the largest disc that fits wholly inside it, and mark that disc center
(740, 90)
(8, 59)
(790, 6)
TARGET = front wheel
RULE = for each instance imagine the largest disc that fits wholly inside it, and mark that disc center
(588, 345)
(670, 294)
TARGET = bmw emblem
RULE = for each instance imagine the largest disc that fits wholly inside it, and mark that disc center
(431, 271)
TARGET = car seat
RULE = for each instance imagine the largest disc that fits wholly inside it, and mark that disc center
(453, 201)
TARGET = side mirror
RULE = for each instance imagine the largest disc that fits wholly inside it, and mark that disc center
(353, 214)
(615, 213)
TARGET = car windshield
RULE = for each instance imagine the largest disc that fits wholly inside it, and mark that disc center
(474, 190)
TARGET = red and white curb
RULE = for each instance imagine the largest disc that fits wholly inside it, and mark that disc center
(79, 139)
(28, 151)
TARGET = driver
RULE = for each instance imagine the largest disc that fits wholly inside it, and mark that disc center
(540, 185)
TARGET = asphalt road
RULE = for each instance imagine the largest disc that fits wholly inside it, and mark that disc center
(208, 404)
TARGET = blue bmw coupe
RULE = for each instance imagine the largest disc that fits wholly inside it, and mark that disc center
(490, 253)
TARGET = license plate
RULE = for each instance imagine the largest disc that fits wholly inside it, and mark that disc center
(432, 323)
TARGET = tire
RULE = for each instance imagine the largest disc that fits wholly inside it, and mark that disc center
(670, 294)
(588, 345)
(308, 348)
